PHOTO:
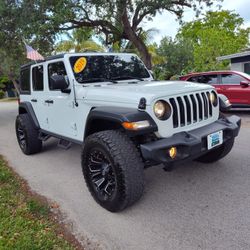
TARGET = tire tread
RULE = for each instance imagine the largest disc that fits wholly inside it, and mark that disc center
(127, 158)
(34, 145)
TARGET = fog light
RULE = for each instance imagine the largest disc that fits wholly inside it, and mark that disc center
(172, 152)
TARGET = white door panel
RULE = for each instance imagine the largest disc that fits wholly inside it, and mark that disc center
(37, 99)
(64, 117)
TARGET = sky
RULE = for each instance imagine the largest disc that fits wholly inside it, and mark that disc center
(167, 25)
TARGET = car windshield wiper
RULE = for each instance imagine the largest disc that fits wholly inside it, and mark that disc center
(127, 77)
(98, 79)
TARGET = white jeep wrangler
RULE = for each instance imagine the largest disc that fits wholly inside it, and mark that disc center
(124, 120)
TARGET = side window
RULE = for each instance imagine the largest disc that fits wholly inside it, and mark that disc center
(208, 79)
(231, 79)
(247, 68)
(37, 78)
(193, 79)
(25, 81)
(56, 68)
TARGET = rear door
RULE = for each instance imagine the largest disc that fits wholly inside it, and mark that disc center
(38, 93)
(237, 94)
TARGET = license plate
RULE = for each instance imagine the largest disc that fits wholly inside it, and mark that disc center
(214, 139)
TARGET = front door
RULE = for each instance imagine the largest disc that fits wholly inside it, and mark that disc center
(59, 105)
(236, 93)
(65, 118)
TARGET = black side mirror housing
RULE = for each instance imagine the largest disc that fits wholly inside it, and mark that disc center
(224, 103)
(244, 84)
(58, 82)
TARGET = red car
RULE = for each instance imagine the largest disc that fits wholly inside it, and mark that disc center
(233, 84)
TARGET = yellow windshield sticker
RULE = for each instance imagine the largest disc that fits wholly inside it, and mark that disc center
(80, 65)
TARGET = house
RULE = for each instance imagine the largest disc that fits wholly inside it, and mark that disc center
(239, 61)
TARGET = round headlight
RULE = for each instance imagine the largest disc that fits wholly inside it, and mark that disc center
(162, 110)
(213, 98)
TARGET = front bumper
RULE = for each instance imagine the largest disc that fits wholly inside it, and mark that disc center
(191, 144)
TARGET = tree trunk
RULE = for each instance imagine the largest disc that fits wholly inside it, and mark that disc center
(16, 85)
(138, 43)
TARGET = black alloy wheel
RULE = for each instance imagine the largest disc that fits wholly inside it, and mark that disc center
(21, 137)
(27, 135)
(101, 174)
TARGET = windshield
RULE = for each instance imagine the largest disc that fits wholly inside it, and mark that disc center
(245, 75)
(107, 67)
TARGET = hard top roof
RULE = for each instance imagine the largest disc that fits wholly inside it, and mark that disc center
(49, 58)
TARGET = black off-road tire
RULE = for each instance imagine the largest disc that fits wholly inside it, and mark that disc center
(217, 153)
(127, 167)
(30, 144)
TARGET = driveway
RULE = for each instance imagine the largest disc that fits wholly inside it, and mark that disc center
(196, 206)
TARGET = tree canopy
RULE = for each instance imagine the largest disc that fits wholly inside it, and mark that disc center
(79, 41)
(178, 54)
(116, 20)
(216, 34)
(17, 23)
(119, 23)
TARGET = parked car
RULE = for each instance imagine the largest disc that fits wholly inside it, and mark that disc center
(233, 84)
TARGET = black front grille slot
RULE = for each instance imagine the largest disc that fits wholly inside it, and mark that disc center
(205, 105)
(182, 111)
(188, 107)
(194, 105)
(200, 106)
(209, 104)
(175, 113)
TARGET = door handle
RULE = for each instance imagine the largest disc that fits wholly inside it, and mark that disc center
(49, 101)
(34, 100)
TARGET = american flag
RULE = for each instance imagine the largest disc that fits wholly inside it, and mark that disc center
(33, 54)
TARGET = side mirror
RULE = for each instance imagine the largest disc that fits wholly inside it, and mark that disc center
(224, 103)
(58, 82)
(244, 84)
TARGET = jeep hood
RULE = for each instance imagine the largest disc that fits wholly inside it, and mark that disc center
(130, 92)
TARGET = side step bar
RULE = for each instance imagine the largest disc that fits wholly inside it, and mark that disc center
(64, 144)
(43, 137)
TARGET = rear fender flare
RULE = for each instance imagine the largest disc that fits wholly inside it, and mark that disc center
(26, 107)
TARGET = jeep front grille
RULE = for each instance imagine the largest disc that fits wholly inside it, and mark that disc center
(192, 108)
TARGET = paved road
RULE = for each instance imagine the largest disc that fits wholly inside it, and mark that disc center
(194, 207)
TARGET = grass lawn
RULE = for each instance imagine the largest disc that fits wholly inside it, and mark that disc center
(12, 99)
(25, 220)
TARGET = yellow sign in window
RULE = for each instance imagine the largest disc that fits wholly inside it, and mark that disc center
(80, 65)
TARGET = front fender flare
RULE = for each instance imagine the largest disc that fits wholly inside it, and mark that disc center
(119, 115)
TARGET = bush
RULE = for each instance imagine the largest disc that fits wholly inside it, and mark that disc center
(174, 78)
(2, 94)
(2, 86)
